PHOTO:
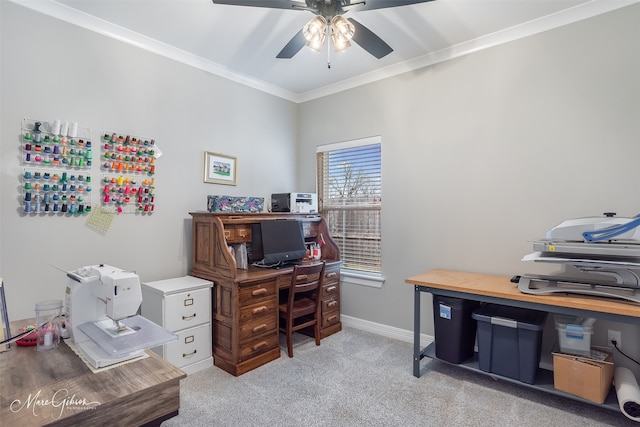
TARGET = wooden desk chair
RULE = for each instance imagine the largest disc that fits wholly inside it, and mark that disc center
(302, 309)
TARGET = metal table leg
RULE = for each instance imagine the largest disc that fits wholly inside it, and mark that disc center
(417, 351)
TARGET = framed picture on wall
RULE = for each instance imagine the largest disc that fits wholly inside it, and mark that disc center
(220, 168)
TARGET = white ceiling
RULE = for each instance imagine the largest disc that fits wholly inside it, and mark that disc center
(241, 43)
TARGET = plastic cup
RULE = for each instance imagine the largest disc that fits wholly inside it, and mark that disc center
(48, 324)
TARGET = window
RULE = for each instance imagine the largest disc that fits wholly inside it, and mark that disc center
(349, 197)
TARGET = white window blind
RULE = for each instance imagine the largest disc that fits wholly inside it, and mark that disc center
(350, 199)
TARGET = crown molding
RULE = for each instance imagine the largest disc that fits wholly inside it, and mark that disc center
(105, 28)
(549, 22)
(546, 23)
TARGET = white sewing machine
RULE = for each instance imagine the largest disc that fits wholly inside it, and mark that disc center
(102, 303)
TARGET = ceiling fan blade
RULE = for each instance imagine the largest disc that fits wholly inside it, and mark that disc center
(369, 41)
(295, 44)
(273, 4)
(382, 4)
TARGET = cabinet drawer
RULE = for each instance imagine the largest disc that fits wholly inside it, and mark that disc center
(193, 345)
(329, 291)
(257, 292)
(187, 309)
(237, 233)
(257, 345)
(258, 318)
(330, 318)
(331, 304)
(331, 276)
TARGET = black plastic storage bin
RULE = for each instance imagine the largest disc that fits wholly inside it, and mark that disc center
(455, 329)
(509, 340)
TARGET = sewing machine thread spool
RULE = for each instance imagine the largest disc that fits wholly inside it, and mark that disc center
(48, 324)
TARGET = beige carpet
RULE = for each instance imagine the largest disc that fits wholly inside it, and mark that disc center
(356, 378)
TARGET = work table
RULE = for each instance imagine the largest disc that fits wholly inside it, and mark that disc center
(500, 290)
(56, 387)
(491, 288)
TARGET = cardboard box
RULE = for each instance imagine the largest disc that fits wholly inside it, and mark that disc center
(581, 376)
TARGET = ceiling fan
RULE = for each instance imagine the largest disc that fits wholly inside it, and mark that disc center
(329, 22)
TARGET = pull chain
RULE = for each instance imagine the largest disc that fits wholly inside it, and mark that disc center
(329, 46)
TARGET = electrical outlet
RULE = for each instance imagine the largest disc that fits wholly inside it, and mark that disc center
(614, 336)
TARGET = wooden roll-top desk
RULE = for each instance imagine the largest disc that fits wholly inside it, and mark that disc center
(245, 301)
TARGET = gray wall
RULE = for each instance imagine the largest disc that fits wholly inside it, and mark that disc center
(54, 70)
(481, 154)
(485, 153)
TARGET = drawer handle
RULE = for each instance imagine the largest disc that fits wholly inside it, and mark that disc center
(258, 292)
(189, 354)
(332, 318)
(331, 289)
(260, 309)
(259, 345)
(259, 328)
(227, 234)
(302, 277)
(331, 275)
(189, 317)
(332, 304)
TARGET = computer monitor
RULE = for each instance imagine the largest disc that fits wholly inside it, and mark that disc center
(282, 241)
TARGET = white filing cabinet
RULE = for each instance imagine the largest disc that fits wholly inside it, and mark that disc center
(183, 306)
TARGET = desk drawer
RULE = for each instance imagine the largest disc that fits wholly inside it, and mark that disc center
(237, 233)
(332, 303)
(330, 318)
(187, 309)
(331, 275)
(258, 318)
(257, 292)
(330, 291)
(256, 345)
(331, 297)
(193, 345)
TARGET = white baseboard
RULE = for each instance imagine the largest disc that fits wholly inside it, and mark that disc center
(385, 330)
(198, 366)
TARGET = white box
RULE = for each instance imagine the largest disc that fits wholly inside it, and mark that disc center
(574, 338)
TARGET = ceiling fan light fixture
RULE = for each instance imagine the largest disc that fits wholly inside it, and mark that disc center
(342, 28)
(342, 32)
(315, 32)
(340, 45)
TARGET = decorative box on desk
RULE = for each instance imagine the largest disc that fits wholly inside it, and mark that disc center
(235, 204)
(183, 306)
(245, 321)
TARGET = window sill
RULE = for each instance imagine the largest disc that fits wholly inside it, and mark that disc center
(362, 279)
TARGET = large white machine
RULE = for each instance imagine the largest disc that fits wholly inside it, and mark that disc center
(102, 303)
(600, 255)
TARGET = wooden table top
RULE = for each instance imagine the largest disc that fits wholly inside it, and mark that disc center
(56, 386)
(502, 287)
